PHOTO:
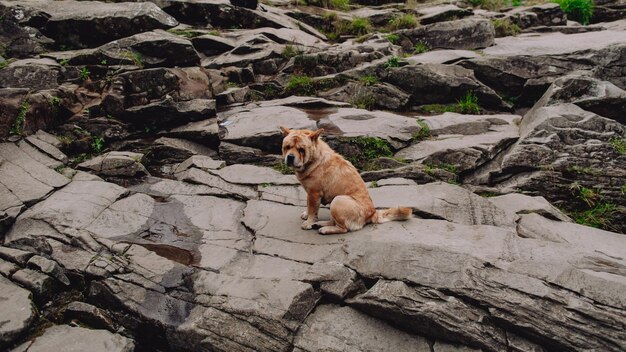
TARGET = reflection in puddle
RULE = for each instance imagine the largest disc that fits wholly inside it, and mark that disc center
(179, 255)
(321, 117)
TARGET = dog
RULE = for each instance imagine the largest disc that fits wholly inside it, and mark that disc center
(328, 178)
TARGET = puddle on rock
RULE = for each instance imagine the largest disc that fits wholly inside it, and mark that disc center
(320, 115)
(179, 255)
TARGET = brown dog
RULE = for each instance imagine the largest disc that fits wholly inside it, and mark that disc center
(329, 178)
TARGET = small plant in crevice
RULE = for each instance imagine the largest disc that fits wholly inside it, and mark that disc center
(468, 104)
(364, 100)
(423, 133)
(368, 80)
(393, 38)
(97, 144)
(420, 48)
(184, 32)
(134, 57)
(359, 26)
(405, 21)
(598, 213)
(392, 62)
(18, 125)
(619, 144)
(577, 10)
(374, 184)
(505, 27)
(361, 150)
(290, 51)
(84, 73)
(283, 168)
(303, 85)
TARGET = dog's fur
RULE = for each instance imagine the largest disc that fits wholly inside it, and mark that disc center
(329, 178)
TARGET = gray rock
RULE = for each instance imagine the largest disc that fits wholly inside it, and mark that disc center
(441, 13)
(463, 142)
(441, 200)
(47, 147)
(460, 34)
(74, 339)
(7, 268)
(236, 154)
(125, 164)
(88, 314)
(253, 175)
(257, 127)
(212, 45)
(523, 204)
(441, 84)
(18, 311)
(34, 74)
(234, 95)
(170, 112)
(600, 97)
(92, 23)
(198, 176)
(201, 162)
(442, 56)
(49, 267)
(537, 15)
(42, 285)
(333, 328)
(167, 150)
(377, 96)
(17, 256)
(396, 129)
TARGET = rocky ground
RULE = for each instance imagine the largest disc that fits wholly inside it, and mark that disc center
(144, 206)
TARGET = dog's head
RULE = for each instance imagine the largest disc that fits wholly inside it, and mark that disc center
(299, 146)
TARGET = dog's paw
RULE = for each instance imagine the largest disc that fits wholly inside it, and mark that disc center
(307, 225)
(304, 215)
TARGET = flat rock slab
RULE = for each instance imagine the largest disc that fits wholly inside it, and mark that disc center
(445, 201)
(522, 204)
(554, 43)
(18, 311)
(442, 56)
(116, 163)
(470, 34)
(75, 339)
(334, 328)
(254, 175)
(464, 142)
(396, 129)
(258, 127)
(92, 23)
(35, 74)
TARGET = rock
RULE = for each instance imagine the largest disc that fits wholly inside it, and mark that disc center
(253, 175)
(523, 204)
(42, 285)
(91, 23)
(49, 267)
(198, 176)
(463, 142)
(377, 96)
(338, 281)
(15, 255)
(442, 57)
(537, 15)
(88, 314)
(125, 164)
(250, 4)
(35, 107)
(334, 328)
(24, 177)
(201, 162)
(258, 127)
(20, 41)
(210, 45)
(236, 154)
(600, 97)
(18, 311)
(170, 112)
(608, 13)
(233, 95)
(441, 13)
(459, 34)
(222, 14)
(397, 130)
(173, 150)
(67, 338)
(7, 268)
(555, 150)
(441, 200)
(48, 145)
(34, 74)
(441, 84)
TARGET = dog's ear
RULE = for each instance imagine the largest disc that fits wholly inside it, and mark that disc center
(315, 135)
(285, 130)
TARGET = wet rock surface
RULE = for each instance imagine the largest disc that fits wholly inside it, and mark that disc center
(144, 203)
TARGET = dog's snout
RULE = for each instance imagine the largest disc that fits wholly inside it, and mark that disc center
(290, 159)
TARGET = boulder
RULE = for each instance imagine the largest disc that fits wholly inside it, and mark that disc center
(124, 164)
(441, 84)
(35, 74)
(81, 24)
(20, 41)
(549, 14)
(458, 34)
(168, 112)
(68, 338)
(18, 311)
(441, 13)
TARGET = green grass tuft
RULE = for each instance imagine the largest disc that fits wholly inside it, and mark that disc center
(364, 101)
(18, 124)
(84, 73)
(369, 80)
(290, 51)
(303, 85)
(600, 216)
(619, 144)
(505, 27)
(360, 26)
(405, 21)
(393, 38)
(283, 168)
(392, 62)
(468, 104)
(420, 48)
(185, 32)
(577, 10)
(423, 133)
(97, 144)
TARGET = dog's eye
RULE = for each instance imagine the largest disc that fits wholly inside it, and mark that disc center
(301, 150)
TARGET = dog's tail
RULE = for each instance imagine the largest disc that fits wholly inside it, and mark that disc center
(391, 214)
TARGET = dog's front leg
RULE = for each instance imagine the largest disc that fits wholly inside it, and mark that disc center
(312, 206)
